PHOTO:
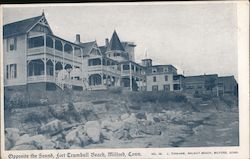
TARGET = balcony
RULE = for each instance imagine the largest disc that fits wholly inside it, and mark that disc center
(50, 51)
(110, 69)
(133, 73)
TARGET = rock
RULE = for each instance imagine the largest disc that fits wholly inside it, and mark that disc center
(122, 134)
(8, 144)
(156, 119)
(61, 145)
(111, 125)
(93, 130)
(131, 119)
(11, 136)
(124, 116)
(77, 137)
(141, 115)
(106, 134)
(52, 127)
(37, 141)
(24, 147)
(149, 128)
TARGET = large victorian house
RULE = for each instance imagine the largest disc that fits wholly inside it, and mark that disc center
(34, 55)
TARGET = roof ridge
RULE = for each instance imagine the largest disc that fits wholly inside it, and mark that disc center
(23, 20)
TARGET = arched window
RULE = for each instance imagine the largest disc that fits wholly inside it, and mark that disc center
(49, 67)
(58, 45)
(49, 42)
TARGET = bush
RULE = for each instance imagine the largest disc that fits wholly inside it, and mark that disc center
(160, 97)
(36, 117)
(15, 100)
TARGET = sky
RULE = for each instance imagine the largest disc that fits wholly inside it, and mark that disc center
(196, 38)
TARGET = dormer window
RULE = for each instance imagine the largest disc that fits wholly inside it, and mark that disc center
(12, 43)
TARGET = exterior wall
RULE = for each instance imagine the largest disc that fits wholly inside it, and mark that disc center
(129, 47)
(160, 81)
(228, 85)
(17, 57)
(123, 55)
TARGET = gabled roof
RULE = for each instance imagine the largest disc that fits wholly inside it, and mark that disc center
(20, 27)
(115, 43)
(87, 47)
(103, 49)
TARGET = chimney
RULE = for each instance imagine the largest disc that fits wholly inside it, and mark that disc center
(78, 40)
(106, 42)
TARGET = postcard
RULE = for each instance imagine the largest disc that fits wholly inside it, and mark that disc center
(125, 80)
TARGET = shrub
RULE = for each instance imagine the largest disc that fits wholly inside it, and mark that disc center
(36, 117)
(15, 100)
(160, 97)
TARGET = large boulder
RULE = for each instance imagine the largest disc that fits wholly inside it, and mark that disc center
(11, 136)
(52, 127)
(93, 130)
(33, 142)
(77, 137)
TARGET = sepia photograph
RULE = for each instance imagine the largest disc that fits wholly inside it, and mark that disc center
(120, 76)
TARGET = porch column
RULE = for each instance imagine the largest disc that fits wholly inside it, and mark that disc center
(73, 56)
(54, 59)
(102, 69)
(45, 61)
(102, 78)
(130, 77)
(63, 60)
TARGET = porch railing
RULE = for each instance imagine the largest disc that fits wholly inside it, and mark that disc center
(48, 50)
(41, 78)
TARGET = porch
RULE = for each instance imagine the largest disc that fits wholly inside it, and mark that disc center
(54, 46)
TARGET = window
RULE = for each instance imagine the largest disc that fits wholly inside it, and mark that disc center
(36, 42)
(160, 70)
(125, 67)
(155, 88)
(166, 77)
(176, 77)
(154, 79)
(11, 44)
(177, 87)
(166, 69)
(166, 87)
(11, 71)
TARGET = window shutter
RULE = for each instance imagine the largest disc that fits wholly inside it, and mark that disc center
(7, 71)
(15, 43)
(15, 71)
